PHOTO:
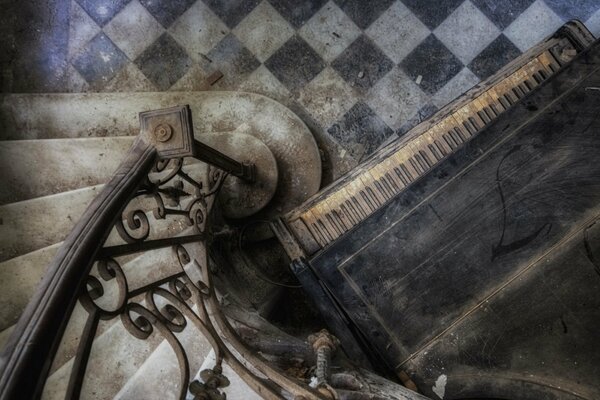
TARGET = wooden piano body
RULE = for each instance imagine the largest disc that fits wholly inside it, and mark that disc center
(479, 277)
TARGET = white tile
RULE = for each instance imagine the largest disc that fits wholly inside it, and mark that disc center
(75, 82)
(198, 30)
(397, 32)
(263, 31)
(82, 29)
(533, 25)
(327, 97)
(396, 98)
(262, 81)
(329, 31)
(133, 29)
(193, 80)
(466, 32)
(462, 82)
(593, 23)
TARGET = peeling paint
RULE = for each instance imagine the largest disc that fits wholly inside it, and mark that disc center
(440, 386)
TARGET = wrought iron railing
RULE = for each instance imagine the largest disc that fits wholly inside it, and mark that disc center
(161, 197)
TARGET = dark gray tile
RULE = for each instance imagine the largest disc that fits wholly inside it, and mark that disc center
(580, 9)
(495, 56)
(433, 62)
(233, 59)
(164, 62)
(360, 131)
(167, 12)
(502, 12)
(432, 13)
(362, 64)
(362, 12)
(425, 112)
(102, 11)
(297, 12)
(295, 63)
(100, 60)
(232, 12)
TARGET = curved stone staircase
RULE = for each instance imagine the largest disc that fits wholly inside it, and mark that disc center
(57, 153)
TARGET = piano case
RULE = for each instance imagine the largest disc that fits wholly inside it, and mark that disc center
(482, 280)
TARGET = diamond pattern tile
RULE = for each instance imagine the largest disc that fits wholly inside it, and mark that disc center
(102, 11)
(329, 31)
(164, 62)
(234, 60)
(362, 64)
(364, 13)
(327, 97)
(432, 13)
(538, 15)
(456, 86)
(578, 9)
(502, 12)
(360, 131)
(421, 115)
(466, 32)
(433, 62)
(133, 29)
(295, 63)
(232, 12)
(396, 98)
(297, 12)
(398, 31)
(99, 61)
(81, 29)
(494, 57)
(263, 31)
(167, 12)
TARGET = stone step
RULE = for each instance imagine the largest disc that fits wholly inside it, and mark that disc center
(37, 223)
(36, 168)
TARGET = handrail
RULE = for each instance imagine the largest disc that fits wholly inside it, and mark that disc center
(153, 169)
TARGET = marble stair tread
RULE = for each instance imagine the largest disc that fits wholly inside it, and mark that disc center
(37, 223)
(36, 168)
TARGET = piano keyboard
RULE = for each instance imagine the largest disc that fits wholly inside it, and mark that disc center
(359, 194)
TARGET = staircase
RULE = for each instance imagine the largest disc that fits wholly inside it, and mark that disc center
(57, 154)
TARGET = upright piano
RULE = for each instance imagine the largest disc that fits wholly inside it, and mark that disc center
(465, 255)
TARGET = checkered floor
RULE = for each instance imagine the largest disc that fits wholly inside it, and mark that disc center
(358, 71)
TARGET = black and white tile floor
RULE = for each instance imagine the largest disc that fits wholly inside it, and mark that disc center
(358, 70)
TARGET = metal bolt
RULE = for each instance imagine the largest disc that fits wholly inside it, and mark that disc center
(163, 132)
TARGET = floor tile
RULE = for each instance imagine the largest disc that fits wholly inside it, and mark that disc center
(99, 61)
(164, 62)
(421, 115)
(593, 23)
(263, 31)
(232, 12)
(102, 11)
(579, 9)
(327, 97)
(234, 60)
(297, 12)
(461, 82)
(433, 62)
(362, 64)
(360, 131)
(262, 81)
(502, 12)
(193, 80)
(495, 56)
(538, 15)
(167, 12)
(295, 63)
(466, 32)
(198, 30)
(432, 13)
(396, 98)
(329, 31)
(129, 79)
(133, 29)
(397, 32)
(362, 12)
(82, 29)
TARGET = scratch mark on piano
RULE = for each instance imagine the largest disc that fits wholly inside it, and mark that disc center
(435, 212)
